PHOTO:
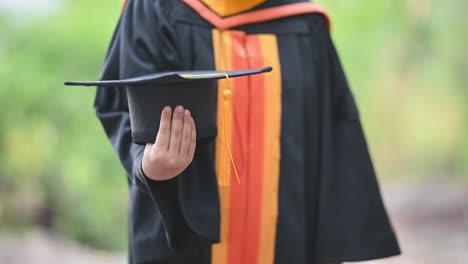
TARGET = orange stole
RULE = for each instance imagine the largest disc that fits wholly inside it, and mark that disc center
(249, 209)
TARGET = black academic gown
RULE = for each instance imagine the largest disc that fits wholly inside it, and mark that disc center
(330, 207)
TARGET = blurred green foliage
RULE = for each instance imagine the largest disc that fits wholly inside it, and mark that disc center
(406, 63)
(405, 60)
(55, 161)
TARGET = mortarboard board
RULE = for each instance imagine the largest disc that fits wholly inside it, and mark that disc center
(149, 94)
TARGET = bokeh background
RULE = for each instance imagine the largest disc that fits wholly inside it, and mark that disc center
(63, 193)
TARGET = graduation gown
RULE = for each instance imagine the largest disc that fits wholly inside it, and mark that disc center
(307, 191)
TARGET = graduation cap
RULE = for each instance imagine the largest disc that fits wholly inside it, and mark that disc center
(149, 94)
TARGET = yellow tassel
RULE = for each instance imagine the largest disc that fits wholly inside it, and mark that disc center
(225, 128)
(224, 170)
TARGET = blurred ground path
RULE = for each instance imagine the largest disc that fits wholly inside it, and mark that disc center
(431, 220)
(42, 248)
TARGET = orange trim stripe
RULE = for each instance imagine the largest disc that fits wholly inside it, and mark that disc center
(252, 17)
(122, 7)
(272, 152)
(256, 152)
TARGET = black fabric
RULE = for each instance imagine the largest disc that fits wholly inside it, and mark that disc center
(330, 208)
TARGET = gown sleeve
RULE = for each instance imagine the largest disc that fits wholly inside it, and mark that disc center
(353, 224)
(141, 44)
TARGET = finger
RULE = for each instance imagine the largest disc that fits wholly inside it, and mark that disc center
(176, 129)
(186, 133)
(164, 133)
(193, 139)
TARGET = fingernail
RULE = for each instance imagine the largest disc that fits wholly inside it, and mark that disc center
(187, 112)
(179, 108)
(167, 109)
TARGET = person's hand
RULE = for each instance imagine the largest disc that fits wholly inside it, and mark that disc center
(174, 147)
